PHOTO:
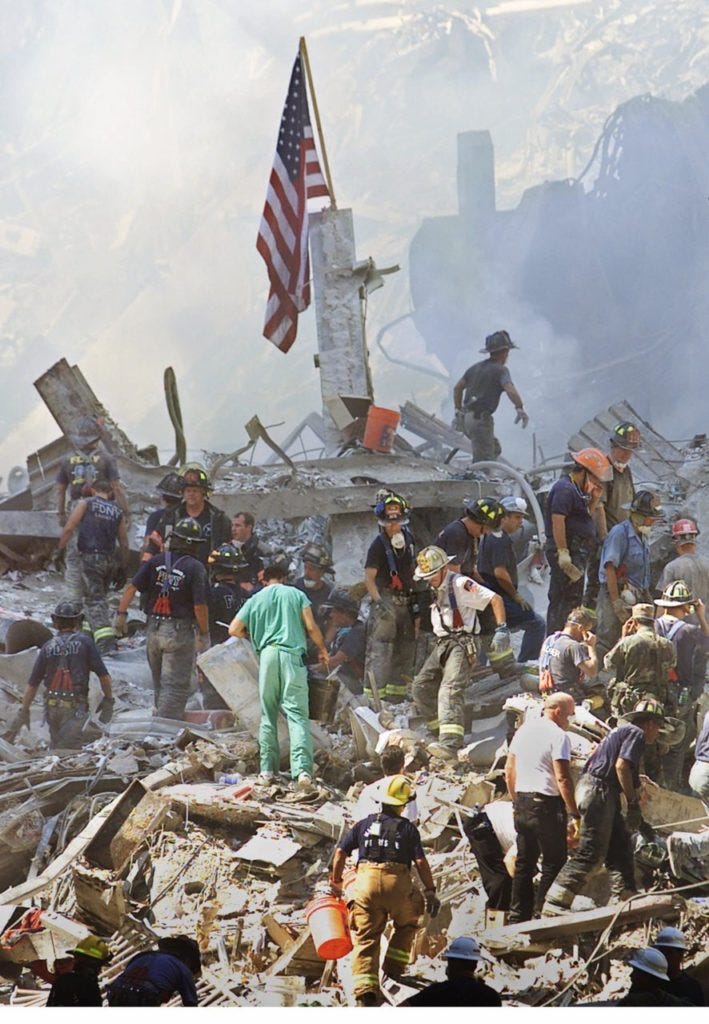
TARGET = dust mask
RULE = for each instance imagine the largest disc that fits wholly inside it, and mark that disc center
(644, 531)
(310, 584)
(398, 542)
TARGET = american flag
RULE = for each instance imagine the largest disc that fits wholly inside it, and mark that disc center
(283, 235)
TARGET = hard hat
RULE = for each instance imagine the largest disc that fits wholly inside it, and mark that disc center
(317, 554)
(86, 431)
(648, 707)
(226, 556)
(429, 561)
(625, 435)
(593, 460)
(463, 948)
(341, 601)
(675, 595)
(188, 529)
(513, 504)
(68, 610)
(645, 504)
(670, 938)
(684, 529)
(171, 485)
(643, 611)
(194, 476)
(650, 961)
(93, 947)
(497, 342)
(485, 511)
(400, 515)
(398, 792)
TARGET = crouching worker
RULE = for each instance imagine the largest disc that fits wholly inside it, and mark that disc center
(154, 977)
(387, 843)
(64, 665)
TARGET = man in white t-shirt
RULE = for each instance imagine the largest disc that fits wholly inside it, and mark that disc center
(439, 687)
(539, 782)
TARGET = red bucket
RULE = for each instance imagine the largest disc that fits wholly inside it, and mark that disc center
(380, 430)
(327, 920)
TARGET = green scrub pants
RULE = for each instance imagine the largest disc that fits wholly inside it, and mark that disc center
(283, 683)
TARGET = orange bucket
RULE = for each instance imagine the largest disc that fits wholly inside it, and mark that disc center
(327, 920)
(380, 429)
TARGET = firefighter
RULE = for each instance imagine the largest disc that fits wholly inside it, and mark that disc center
(348, 644)
(477, 395)
(612, 769)
(170, 491)
(64, 665)
(215, 525)
(460, 539)
(439, 687)
(225, 564)
(617, 496)
(389, 579)
(99, 524)
(153, 977)
(624, 572)
(80, 985)
(176, 586)
(76, 475)
(571, 530)
(688, 565)
(244, 538)
(387, 843)
(691, 644)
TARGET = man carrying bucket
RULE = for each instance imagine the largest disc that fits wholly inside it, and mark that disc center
(387, 843)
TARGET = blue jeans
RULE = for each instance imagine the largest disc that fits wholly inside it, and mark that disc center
(533, 626)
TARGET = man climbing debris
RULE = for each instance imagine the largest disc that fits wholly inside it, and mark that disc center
(477, 395)
(389, 579)
(64, 665)
(387, 844)
(176, 586)
(100, 525)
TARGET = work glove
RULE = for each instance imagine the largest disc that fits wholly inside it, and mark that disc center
(120, 575)
(567, 566)
(59, 560)
(458, 420)
(522, 418)
(621, 609)
(335, 888)
(433, 904)
(120, 624)
(573, 831)
(524, 605)
(633, 817)
(22, 717)
(501, 640)
(105, 710)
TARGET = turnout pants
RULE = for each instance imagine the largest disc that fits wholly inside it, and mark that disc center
(439, 689)
(170, 645)
(540, 824)
(283, 683)
(604, 839)
(390, 647)
(96, 573)
(380, 892)
(480, 428)
(66, 721)
(563, 594)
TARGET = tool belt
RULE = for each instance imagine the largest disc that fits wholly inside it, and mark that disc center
(65, 701)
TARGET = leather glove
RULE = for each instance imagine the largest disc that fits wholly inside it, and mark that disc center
(22, 717)
(105, 710)
(567, 566)
(574, 830)
(59, 560)
(501, 640)
(522, 418)
(633, 817)
(120, 624)
(524, 605)
(621, 609)
(433, 904)
(458, 420)
(120, 575)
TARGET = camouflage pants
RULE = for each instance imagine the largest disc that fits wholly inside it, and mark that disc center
(170, 647)
(439, 690)
(673, 761)
(96, 573)
(390, 648)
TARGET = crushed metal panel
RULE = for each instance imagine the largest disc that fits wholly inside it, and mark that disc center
(268, 850)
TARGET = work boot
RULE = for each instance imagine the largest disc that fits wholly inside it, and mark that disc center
(442, 750)
(558, 901)
(622, 896)
(371, 998)
(304, 785)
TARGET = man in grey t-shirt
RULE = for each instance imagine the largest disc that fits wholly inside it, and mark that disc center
(569, 657)
(477, 394)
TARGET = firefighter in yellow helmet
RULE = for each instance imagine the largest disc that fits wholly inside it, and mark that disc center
(387, 843)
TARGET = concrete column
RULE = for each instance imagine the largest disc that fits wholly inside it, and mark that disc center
(342, 347)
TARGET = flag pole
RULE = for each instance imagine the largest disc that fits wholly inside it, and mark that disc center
(326, 165)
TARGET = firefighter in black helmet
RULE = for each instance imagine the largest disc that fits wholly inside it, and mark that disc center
(170, 491)
(215, 525)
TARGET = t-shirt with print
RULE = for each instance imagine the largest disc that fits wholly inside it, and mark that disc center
(77, 651)
(183, 579)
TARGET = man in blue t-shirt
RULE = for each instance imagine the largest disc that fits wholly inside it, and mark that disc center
(613, 768)
(152, 978)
